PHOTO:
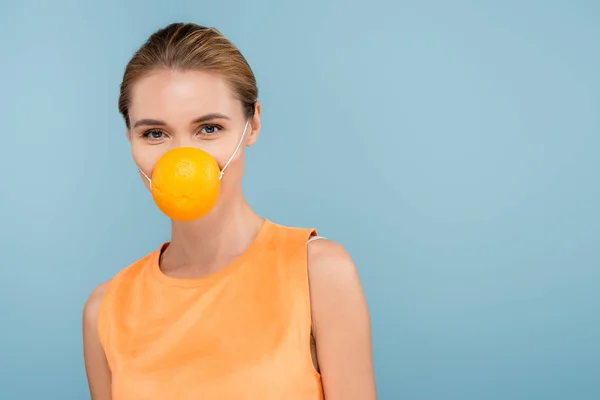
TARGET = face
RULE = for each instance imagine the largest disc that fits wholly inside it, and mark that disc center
(172, 109)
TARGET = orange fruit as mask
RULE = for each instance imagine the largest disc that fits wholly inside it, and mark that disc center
(185, 183)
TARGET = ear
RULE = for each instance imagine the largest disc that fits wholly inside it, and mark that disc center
(129, 135)
(254, 125)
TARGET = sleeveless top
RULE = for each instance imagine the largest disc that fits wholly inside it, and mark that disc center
(240, 333)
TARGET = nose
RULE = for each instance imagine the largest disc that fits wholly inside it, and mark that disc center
(183, 141)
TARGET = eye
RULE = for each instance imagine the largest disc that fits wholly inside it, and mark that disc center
(210, 130)
(153, 134)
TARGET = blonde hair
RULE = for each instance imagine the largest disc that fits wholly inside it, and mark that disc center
(187, 46)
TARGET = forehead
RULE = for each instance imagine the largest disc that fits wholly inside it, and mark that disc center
(180, 95)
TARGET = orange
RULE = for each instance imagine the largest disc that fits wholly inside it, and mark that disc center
(185, 183)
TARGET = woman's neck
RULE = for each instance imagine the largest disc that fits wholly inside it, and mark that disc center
(201, 247)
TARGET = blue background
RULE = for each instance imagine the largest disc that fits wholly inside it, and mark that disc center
(452, 147)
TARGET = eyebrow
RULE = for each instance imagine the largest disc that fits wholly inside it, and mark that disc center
(204, 118)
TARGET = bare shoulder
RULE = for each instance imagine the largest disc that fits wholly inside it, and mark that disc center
(340, 323)
(332, 269)
(96, 364)
(326, 248)
(335, 285)
(91, 310)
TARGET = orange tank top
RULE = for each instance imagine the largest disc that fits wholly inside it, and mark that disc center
(241, 333)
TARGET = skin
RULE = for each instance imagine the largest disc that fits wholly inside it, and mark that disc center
(341, 322)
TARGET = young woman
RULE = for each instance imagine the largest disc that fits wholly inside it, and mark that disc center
(234, 306)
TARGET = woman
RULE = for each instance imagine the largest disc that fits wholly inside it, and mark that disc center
(234, 306)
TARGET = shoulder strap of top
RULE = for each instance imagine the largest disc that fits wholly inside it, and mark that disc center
(313, 238)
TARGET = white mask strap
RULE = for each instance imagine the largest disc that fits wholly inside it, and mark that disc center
(236, 150)
(146, 176)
